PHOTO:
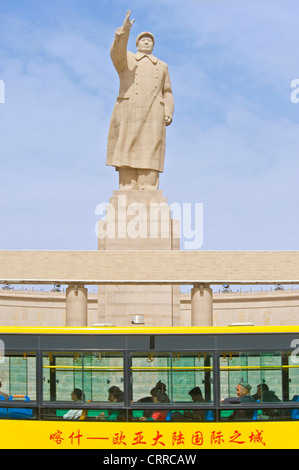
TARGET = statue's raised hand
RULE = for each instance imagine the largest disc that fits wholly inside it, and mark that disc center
(127, 22)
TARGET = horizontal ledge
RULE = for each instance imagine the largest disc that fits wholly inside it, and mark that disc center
(149, 267)
(80, 282)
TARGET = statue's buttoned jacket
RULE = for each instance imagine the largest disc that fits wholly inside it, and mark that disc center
(137, 129)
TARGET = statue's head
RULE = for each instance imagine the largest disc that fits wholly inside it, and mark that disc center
(145, 42)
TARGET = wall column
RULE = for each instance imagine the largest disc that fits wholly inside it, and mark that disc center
(76, 305)
(201, 305)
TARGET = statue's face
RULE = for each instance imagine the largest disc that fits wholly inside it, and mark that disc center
(145, 45)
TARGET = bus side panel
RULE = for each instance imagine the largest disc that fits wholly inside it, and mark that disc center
(15, 434)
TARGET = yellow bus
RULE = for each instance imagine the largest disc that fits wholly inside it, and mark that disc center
(149, 388)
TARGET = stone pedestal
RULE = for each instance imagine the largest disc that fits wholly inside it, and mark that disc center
(139, 220)
(201, 306)
(76, 305)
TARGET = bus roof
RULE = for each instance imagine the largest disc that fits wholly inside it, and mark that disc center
(141, 330)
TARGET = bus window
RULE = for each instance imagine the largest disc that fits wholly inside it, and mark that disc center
(18, 384)
(93, 373)
(251, 377)
(192, 377)
(18, 374)
(253, 368)
(290, 377)
(147, 370)
(181, 373)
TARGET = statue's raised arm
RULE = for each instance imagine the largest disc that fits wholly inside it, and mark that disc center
(118, 51)
(144, 107)
(127, 22)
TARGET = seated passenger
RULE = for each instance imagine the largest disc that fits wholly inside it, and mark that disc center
(195, 415)
(115, 394)
(149, 399)
(196, 394)
(159, 395)
(3, 394)
(265, 395)
(77, 395)
(243, 393)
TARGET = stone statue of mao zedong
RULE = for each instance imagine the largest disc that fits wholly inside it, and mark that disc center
(144, 107)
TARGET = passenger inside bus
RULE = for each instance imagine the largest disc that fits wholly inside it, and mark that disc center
(159, 395)
(3, 394)
(77, 395)
(196, 395)
(149, 399)
(195, 415)
(243, 393)
(115, 394)
(263, 394)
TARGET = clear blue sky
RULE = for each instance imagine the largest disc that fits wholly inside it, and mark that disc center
(233, 144)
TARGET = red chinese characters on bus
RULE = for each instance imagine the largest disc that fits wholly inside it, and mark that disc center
(216, 437)
(57, 437)
(119, 438)
(198, 438)
(157, 439)
(257, 438)
(76, 437)
(236, 438)
(177, 438)
(138, 439)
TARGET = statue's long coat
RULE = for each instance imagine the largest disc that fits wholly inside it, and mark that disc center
(137, 129)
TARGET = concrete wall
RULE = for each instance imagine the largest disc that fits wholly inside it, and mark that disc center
(260, 308)
(34, 308)
(279, 307)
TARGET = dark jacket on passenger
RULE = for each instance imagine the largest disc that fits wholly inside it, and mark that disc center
(267, 396)
(243, 414)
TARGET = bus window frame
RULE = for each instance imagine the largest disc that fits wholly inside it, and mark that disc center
(286, 405)
(67, 404)
(23, 404)
(172, 406)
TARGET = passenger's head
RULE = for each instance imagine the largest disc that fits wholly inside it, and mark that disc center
(77, 394)
(195, 394)
(262, 388)
(115, 394)
(161, 387)
(159, 393)
(243, 389)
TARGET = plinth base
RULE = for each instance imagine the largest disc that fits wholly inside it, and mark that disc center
(138, 220)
